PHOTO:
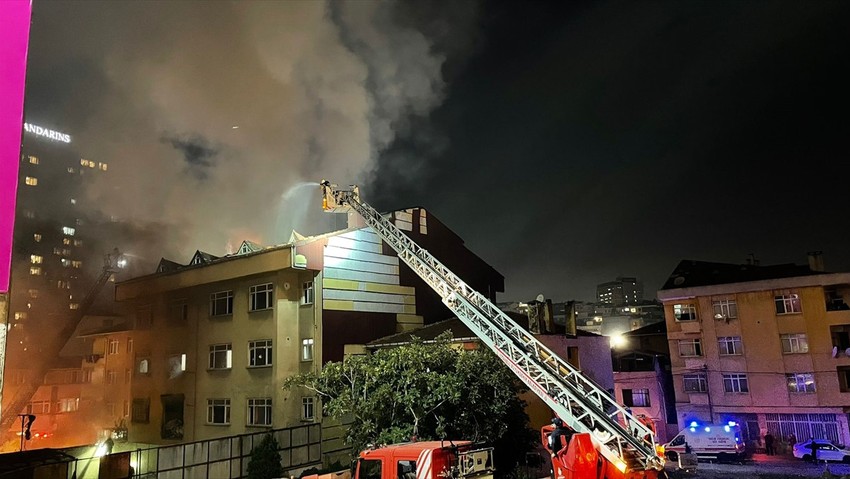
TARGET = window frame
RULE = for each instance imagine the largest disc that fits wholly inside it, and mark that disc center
(265, 290)
(724, 343)
(736, 383)
(683, 308)
(792, 339)
(307, 349)
(255, 405)
(786, 299)
(308, 293)
(800, 379)
(701, 380)
(308, 408)
(726, 308)
(215, 351)
(114, 346)
(212, 405)
(226, 297)
(696, 343)
(256, 345)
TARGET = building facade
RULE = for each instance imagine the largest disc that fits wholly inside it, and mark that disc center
(620, 292)
(765, 346)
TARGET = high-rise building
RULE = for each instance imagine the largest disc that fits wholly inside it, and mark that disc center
(620, 292)
(52, 264)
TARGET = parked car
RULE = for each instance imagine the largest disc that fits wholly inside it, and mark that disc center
(826, 451)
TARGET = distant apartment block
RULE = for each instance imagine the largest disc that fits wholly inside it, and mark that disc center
(620, 292)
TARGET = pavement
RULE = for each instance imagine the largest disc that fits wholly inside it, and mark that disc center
(764, 466)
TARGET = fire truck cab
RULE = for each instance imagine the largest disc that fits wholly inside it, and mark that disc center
(426, 460)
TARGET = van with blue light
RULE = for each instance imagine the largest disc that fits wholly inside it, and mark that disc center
(720, 442)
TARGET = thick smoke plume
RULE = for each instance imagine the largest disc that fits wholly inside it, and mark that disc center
(213, 115)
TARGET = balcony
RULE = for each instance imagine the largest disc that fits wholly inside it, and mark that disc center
(835, 295)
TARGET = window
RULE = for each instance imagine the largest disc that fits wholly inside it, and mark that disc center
(260, 353)
(113, 346)
(307, 409)
(76, 264)
(221, 356)
(78, 242)
(141, 410)
(636, 397)
(20, 315)
(685, 312)
(73, 305)
(307, 349)
(260, 412)
(221, 303)
(86, 375)
(66, 241)
(176, 365)
(788, 303)
(102, 166)
(800, 382)
(690, 347)
(130, 346)
(695, 383)
(35, 259)
(67, 230)
(218, 411)
(406, 469)
(794, 343)
(33, 160)
(127, 376)
(38, 407)
(143, 366)
(307, 293)
(178, 312)
(261, 296)
(36, 237)
(111, 377)
(31, 181)
(35, 270)
(33, 293)
(69, 404)
(730, 345)
(65, 262)
(735, 383)
(370, 469)
(126, 411)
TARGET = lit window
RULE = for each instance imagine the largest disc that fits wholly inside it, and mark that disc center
(77, 264)
(73, 201)
(788, 303)
(260, 353)
(218, 411)
(33, 293)
(65, 262)
(685, 312)
(307, 293)
(114, 346)
(102, 166)
(36, 237)
(695, 383)
(35, 270)
(735, 383)
(143, 366)
(73, 305)
(221, 356)
(794, 343)
(31, 181)
(66, 241)
(67, 230)
(20, 315)
(261, 296)
(35, 259)
(730, 345)
(636, 397)
(690, 347)
(33, 160)
(307, 349)
(69, 404)
(800, 382)
(129, 345)
(71, 169)
(308, 408)
(260, 412)
(78, 242)
(221, 303)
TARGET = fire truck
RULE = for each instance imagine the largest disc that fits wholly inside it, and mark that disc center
(606, 440)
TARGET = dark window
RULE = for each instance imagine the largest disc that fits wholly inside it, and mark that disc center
(141, 410)
(406, 469)
(370, 469)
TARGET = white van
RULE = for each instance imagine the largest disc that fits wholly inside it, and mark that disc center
(720, 442)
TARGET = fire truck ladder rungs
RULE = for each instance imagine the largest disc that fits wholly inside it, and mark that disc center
(582, 404)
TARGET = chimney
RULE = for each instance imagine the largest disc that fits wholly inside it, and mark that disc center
(815, 260)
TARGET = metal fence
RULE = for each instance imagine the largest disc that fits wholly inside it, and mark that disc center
(804, 426)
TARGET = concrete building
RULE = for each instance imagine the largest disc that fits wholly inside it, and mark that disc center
(765, 346)
(215, 339)
(620, 292)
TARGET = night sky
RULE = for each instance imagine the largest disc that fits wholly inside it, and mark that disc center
(566, 142)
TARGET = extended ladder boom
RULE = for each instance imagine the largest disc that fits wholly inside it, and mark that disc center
(624, 440)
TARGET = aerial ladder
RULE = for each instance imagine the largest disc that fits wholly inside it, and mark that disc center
(111, 263)
(620, 438)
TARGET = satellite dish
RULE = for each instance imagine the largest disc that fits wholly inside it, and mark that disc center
(847, 352)
(834, 351)
(719, 316)
(540, 298)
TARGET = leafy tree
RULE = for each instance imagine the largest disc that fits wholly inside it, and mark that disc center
(265, 460)
(428, 391)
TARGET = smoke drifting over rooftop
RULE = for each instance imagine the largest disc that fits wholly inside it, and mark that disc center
(209, 112)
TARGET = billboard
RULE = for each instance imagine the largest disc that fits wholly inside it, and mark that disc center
(14, 38)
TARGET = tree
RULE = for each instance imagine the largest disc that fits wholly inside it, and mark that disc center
(265, 459)
(427, 391)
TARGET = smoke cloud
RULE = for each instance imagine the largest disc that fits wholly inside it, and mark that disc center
(216, 118)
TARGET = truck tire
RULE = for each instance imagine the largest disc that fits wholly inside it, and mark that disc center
(672, 456)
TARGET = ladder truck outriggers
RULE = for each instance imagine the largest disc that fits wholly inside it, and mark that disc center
(608, 441)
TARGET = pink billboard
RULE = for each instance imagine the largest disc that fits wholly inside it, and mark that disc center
(14, 37)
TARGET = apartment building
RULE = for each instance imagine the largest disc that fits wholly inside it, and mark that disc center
(215, 339)
(765, 346)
